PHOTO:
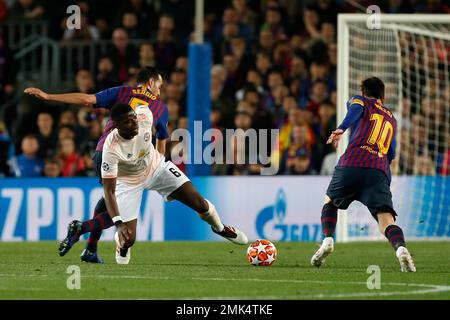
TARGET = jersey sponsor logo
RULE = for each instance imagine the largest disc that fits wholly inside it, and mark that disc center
(141, 154)
(105, 167)
(371, 150)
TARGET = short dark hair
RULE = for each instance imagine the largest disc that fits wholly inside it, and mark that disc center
(168, 15)
(30, 136)
(129, 12)
(275, 70)
(146, 43)
(66, 126)
(118, 110)
(249, 87)
(147, 73)
(264, 54)
(253, 69)
(276, 9)
(373, 87)
(320, 80)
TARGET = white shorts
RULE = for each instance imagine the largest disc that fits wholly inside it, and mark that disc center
(166, 179)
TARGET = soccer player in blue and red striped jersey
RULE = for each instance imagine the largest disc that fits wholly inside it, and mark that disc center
(363, 171)
(147, 92)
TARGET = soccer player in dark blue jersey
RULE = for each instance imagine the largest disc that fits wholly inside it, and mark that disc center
(147, 92)
(363, 171)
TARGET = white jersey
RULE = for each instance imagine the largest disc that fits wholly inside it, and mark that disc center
(131, 161)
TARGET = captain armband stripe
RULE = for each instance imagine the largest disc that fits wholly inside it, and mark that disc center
(357, 101)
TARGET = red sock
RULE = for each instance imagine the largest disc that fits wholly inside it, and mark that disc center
(395, 236)
(95, 235)
(329, 219)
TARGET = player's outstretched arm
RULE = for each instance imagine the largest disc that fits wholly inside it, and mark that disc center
(162, 131)
(72, 98)
(335, 137)
(354, 113)
(161, 146)
(109, 187)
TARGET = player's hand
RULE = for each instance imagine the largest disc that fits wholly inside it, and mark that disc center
(335, 137)
(124, 234)
(38, 93)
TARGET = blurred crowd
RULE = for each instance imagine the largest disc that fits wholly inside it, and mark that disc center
(274, 67)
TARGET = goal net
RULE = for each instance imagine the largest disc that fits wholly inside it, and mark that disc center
(410, 53)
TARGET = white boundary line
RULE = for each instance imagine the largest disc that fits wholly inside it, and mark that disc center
(428, 288)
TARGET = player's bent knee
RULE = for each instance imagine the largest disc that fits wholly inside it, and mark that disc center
(385, 219)
(329, 203)
(101, 205)
(201, 205)
(327, 200)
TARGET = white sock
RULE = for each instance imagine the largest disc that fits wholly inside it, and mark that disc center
(212, 217)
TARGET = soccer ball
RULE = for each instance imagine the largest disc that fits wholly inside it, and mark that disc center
(261, 252)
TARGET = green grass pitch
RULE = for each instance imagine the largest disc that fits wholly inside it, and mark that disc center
(219, 270)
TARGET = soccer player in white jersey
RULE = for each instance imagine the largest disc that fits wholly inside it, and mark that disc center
(131, 164)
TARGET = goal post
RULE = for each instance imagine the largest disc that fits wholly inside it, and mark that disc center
(410, 53)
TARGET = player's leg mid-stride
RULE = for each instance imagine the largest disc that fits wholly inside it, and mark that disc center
(395, 236)
(97, 224)
(328, 220)
(188, 195)
(100, 221)
(89, 254)
(387, 227)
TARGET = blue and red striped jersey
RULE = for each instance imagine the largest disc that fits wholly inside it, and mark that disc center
(133, 96)
(372, 138)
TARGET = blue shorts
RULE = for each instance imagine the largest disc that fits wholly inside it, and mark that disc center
(367, 185)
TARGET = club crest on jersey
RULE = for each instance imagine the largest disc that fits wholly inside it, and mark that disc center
(146, 136)
(105, 166)
(141, 117)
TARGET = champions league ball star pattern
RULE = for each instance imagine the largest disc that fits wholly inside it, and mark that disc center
(261, 253)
